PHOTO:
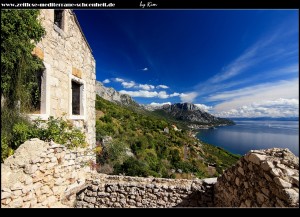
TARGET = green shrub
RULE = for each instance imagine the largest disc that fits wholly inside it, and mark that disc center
(60, 131)
(132, 167)
(15, 129)
(21, 132)
(186, 167)
(6, 151)
(113, 153)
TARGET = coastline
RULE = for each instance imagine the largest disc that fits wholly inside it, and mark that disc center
(254, 135)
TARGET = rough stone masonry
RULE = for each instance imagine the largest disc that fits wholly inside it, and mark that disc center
(45, 174)
(129, 192)
(42, 174)
(264, 178)
(68, 62)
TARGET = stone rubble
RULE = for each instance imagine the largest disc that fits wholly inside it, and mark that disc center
(264, 178)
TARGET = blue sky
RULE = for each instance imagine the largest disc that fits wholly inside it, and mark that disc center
(231, 63)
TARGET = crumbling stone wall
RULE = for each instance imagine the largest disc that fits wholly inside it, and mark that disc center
(42, 174)
(264, 178)
(124, 191)
(45, 174)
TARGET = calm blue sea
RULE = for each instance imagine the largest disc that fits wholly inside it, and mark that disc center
(250, 135)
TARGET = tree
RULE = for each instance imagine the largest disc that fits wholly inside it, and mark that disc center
(20, 31)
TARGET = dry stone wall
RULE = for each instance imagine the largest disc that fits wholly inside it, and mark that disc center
(129, 192)
(46, 174)
(264, 178)
(42, 174)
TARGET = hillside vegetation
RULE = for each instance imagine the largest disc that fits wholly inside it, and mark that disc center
(135, 144)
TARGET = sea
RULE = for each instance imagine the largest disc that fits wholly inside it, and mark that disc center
(253, 135)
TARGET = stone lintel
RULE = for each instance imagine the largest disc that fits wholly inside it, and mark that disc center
(76, 72)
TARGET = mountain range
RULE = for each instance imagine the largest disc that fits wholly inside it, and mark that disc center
(186, 113)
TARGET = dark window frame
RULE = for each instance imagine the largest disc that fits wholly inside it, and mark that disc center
(59, 18)
(76, 97)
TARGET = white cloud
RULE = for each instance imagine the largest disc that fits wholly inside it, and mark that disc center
(267, 49)
(145, 86)
(140, 93)
(148, 94)
(204, 107)
(256, 97)
(126, 84)
(145, 91)
(132, 84)
(270, 108)
(277, 99)
(174, 94)
(119, 80)
(106, 81)
(188, 97)
(163, 95)
(145, 69)
(247, 59)
(155, 104)
(256, 93)
(162, 86)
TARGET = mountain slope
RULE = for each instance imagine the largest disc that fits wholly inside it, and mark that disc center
(151, 149)
(112, 95)
(191, 114)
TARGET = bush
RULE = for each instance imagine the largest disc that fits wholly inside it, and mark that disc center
(15, 129)
(186, 167)
(58, 130)
(6, 151)
(113, 153)
(21, 133)
(132, 167)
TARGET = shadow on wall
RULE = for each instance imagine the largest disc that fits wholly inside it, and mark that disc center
(196, 199)
(200, 198)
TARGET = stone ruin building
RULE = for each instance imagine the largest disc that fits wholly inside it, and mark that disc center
(68, 81)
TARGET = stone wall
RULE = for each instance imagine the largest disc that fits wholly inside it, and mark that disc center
(42, 174)
(124, 191)
(67, 57)
(265, 178)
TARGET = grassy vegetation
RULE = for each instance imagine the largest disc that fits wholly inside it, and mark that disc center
(148, 150)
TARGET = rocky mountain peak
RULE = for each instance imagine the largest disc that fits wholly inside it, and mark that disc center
(112, 95)
(189, 112)
(186, 106)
